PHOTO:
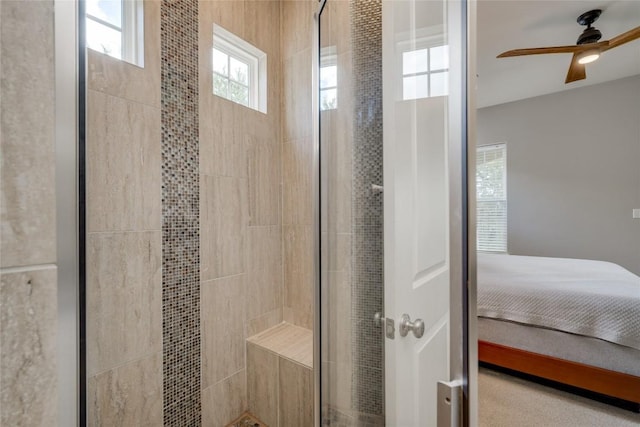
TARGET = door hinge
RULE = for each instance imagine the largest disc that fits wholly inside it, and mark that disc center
(449, 404)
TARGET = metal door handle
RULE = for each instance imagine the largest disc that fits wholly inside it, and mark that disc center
(406, 325)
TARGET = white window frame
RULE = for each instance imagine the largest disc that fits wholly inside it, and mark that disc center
(486, 246)
(419, 43)
(131, 31)
(235, 47)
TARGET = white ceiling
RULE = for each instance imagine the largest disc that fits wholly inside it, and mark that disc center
(513, 24)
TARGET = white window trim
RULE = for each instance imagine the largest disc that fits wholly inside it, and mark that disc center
(503, 146)
(234, 46)
(131, 31)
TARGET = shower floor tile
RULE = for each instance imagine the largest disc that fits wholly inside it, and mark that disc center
(247, 420)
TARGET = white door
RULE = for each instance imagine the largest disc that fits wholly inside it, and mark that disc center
(422, 138)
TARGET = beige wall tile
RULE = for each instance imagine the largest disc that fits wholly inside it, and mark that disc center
(229, 14)
(222, 138)
(123, 165)
(336, 251)
(225, 401)
(264, 285)
(223, 314)
(124, 80)
(337, 386)
(27, 172)
(297, 25)
(264, 181)
(295, 395)
(258, 324)
(262, 384)
(28, 330)
(223, 219)
(338, 313)
(298, 267)
(296, 97)
(297, 316)
(124, 298)
(297, 161)
(130, 395)
(262, 24)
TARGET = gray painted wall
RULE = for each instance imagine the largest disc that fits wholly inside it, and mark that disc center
(573, 171)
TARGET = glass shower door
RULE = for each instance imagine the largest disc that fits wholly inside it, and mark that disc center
(391, 131)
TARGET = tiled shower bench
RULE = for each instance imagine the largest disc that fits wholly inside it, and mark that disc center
(280, 376)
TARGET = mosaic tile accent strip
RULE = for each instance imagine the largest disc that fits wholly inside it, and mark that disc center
(367, 289)
(180, 213)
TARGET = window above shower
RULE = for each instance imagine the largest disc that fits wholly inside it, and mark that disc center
(115, 28)
(239, 70)
(328, 78)
(425, 71)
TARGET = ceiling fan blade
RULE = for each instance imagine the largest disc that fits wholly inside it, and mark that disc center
(576, 70)
(540, 51)
(623, 38)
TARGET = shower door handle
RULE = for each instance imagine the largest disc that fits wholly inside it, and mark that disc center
(406, 325)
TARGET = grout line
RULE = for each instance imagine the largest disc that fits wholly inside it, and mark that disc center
(127, 362)
(223, 277)
(121, 98)
(225, 379)
(27, 268)
(151, 230)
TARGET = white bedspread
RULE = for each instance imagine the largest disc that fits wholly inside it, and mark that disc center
(592, 298)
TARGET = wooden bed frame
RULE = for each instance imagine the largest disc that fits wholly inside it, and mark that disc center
(598, 380)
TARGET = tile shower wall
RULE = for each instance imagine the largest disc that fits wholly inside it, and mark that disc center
(367, 291)
(185, 218)
(297, 161)
(28, 274)
(124, 236)
(240, 210)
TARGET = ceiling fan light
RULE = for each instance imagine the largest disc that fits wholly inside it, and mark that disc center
(588, 56)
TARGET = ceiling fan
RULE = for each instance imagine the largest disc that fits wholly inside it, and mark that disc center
(587, 49)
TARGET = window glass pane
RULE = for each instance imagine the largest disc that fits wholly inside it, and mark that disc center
(238, 93)
(220, 62)
(491, 191)
(220, 85)
(107, 10)
(328, 99)
(415, 87)
(415, 61)
(104, 39)
(440, 84)
(439, 58)
(239, 71)
(329, 76)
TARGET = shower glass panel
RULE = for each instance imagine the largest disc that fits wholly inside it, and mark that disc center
(391, 259)
(350, 98)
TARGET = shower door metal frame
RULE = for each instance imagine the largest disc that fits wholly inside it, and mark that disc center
(463, 320)
(70, 89)
(317, 289)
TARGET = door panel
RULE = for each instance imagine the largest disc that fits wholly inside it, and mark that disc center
(417, 201)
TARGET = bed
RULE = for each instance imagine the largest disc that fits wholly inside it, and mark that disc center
(576, 322)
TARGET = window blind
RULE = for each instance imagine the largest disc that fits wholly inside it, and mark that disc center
(491, 188)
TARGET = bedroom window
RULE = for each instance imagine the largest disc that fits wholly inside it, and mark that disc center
(239, 70)
(491, 188)
(115, 28)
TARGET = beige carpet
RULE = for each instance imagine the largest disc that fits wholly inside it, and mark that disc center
(508, 401)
